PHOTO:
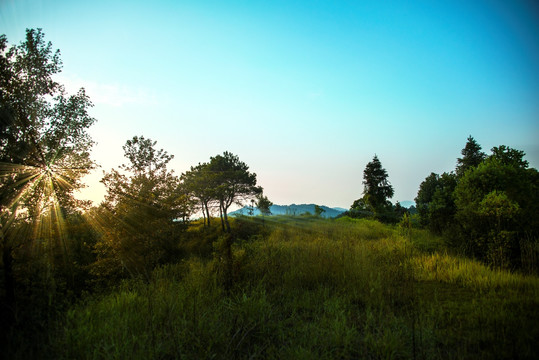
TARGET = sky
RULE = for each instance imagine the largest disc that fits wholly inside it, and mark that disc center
(304, 92)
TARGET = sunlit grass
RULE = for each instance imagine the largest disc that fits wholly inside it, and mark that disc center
(310, 288)
(469, 273)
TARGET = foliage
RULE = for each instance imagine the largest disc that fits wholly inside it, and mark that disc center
(497, 206)
(199, 183)
(141, 216)
(44, 153)
(233, 183)
(435, 202)
(327, 289)
(488, 208)
(318, 211)
(377, 189)
(471, 156)
(43, 137)
(263, 204)
(376, 192)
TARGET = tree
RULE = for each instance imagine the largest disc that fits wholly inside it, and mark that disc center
(142, 209)
(435, 202)
(488, 208)
(376, 186)
(424, 197)
(471, 156)
(376, 191)
(497, 205)
(233, 183)
(263, 204)
(508, 156)
(318, 210)
(199, 183)
(44, 144)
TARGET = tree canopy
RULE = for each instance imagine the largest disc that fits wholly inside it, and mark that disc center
(263, 204)
(233, 183)
(487, 208)
(376, 193)
(143, 210)
(377, 189)
(471, 156)
(44, 144)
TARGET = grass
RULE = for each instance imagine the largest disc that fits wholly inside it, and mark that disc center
(308, 288)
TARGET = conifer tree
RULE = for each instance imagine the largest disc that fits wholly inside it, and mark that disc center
(377, 189)
(376, 185)
(471, 156)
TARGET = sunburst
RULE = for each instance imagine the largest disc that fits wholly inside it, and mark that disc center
(31, 195)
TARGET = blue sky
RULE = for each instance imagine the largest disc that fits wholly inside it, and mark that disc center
(305, 92)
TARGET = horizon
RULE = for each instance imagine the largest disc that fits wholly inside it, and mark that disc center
(305, 94)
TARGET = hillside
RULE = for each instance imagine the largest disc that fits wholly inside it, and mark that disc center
(293, 210)
(306, 288)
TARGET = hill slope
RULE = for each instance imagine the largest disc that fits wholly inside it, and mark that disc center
(314, 289)
(293, 209)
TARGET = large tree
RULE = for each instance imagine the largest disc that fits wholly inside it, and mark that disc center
(233, 183)
(199, 183)
(376, 189)
(141, 212)
(497, 205)
(44, 144)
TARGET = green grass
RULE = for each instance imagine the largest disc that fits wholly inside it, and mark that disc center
(309, 288)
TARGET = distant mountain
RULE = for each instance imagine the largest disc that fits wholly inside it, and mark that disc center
(407, 203)
(290, 210)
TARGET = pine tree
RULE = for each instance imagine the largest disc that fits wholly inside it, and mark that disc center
(377, 189)
(471, 156)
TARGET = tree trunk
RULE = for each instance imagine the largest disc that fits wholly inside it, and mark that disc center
(226, 221)
(207, 213)
(221, 216)
(204, 214)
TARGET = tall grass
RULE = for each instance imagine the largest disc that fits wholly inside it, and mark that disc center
(309, 288)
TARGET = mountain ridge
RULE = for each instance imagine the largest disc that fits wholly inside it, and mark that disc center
(292, 209)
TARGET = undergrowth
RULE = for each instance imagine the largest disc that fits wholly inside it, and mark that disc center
(306, 288)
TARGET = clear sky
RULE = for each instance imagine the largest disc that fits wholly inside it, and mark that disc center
(305, 92)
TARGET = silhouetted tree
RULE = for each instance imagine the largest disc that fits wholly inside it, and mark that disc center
(376, 190)
(141, 211)
(233, 183)
(471, 156)
(318, 210)
(424, 197)
(488, 209)
(497, 206)
(200, 183)
(435, 201)
(376, 185)
(44, 144)
(263, 204)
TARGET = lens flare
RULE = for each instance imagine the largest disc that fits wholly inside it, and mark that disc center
(32, 208)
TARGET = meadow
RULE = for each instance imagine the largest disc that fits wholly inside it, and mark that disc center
(308, 288)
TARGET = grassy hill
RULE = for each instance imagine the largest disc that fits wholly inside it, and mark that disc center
(308, 288)
(301, 288)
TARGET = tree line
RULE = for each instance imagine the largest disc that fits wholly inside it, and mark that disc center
(49, 239)
(487, 208)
